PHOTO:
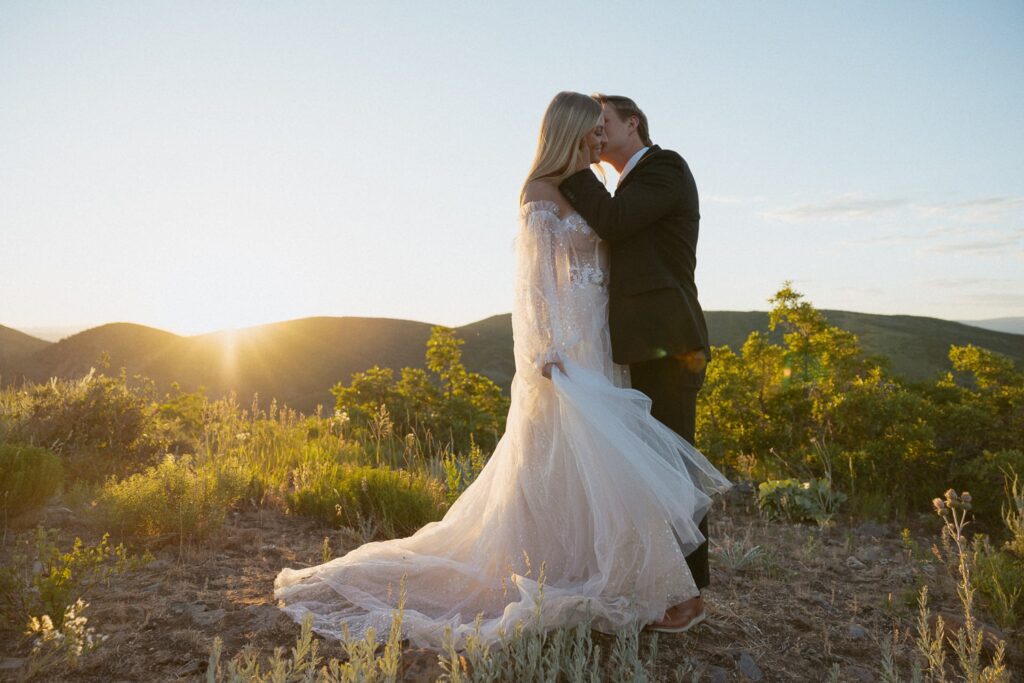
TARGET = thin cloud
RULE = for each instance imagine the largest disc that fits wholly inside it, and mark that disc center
(858, 206)
(960, 282)
(981, 209)
(1011, 300)
(910, 237)
(991, 245)
(843, 207)
(731, 199)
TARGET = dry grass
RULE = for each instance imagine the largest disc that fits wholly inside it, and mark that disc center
(799, 607)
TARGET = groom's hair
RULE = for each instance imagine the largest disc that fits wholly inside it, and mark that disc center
(625, 108)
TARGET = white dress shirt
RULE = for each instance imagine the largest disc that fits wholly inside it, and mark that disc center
(631, 163)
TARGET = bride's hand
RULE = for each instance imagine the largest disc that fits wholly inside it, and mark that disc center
(546, 370)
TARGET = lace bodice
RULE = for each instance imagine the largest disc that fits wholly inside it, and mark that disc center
(561, 289)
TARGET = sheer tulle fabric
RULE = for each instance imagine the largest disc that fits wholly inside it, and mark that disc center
(584, 482)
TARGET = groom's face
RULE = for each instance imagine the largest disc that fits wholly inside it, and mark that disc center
(617, 132)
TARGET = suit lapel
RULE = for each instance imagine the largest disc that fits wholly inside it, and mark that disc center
(651, 150)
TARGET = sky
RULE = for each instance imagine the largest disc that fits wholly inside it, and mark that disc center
(196, 166)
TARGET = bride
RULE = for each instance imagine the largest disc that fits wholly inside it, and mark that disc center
(588, 505)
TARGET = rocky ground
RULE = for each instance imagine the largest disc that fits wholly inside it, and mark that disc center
(789, 602)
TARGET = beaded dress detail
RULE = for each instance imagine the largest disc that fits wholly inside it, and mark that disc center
(584, 483)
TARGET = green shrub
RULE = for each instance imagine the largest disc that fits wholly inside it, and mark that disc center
(178, 498)
(811, 501)
(444, 403)
(999, 577)
(181, 420)
(42, 580)
(462, 470)
(999, 572)
(984, 476)
(342, 494)
(765, 406)
(29, 476)
(101, 424)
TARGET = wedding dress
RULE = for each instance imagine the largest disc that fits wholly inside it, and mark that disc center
(584, 483)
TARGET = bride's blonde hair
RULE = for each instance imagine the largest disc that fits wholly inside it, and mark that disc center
(569, 117)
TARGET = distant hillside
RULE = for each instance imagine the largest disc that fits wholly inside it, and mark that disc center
(53, 333)
(917, 347)
(1011, 325)
(15, 347)
(298, 361)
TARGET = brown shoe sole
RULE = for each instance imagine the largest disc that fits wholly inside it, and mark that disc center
(681, 628)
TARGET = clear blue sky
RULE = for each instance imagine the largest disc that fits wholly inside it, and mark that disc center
(201, 165)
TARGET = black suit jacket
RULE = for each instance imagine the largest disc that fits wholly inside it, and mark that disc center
(651, 225)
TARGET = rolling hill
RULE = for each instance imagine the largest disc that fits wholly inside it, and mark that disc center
(1011, 325)
(15, 348)
(298, 361)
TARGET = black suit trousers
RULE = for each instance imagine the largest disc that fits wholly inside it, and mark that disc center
(672, 388)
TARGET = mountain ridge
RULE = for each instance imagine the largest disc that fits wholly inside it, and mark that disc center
(297, 361)
(1011, 324)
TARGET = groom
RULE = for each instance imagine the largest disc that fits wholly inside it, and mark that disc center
(656, 323)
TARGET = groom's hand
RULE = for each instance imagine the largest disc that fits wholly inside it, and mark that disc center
(695, 361)
(546, 370)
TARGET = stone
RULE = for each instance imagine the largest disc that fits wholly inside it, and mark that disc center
(203, 616)
(873, 529)
(263, 617)
(59, 515)
(190, 667)
(749, 668)
(11, 663)
(717, 674)
(853, 563)
(870, 553)
(856, 631)
(741, 491)
(178, 607)
(858, 673)
(823, 602)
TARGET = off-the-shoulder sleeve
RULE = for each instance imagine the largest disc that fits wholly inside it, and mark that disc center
(537, 330)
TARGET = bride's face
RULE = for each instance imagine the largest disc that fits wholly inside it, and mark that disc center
(594, 141)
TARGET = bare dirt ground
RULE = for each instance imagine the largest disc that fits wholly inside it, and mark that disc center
(789, 602)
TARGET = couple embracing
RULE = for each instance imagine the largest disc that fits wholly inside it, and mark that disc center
(594, 504)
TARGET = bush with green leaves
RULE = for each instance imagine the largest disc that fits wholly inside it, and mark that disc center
(989, 473)
(99, 424)
(808, 501)
(342, 494)
(444, 404)
(998, 567)
(766, 411)
(179, 499)
(29, 476)
(40, 579)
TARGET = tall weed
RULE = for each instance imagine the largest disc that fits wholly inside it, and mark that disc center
(177, 499)
(29, 476)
